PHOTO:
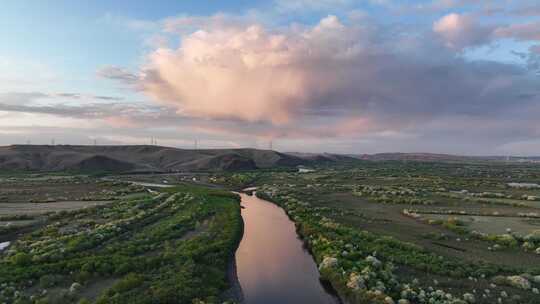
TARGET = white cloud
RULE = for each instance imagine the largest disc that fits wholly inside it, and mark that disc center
(247, 72)
(461, 31)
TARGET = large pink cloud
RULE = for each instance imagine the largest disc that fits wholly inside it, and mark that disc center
(249, 73)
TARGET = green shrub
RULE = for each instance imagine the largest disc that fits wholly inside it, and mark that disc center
(21, 259)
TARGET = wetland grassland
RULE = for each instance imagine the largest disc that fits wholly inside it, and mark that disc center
(379, 232)
(172, 246)
(413, 232)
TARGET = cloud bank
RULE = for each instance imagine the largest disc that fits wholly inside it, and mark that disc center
(248, 73)
(337, 71)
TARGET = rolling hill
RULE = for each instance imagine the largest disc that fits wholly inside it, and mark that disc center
(139, 158)
(146, 158)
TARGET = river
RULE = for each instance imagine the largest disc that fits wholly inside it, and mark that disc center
(4, 245)
(272, 264)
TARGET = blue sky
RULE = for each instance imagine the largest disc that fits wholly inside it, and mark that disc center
(76, 37)
(330, 75)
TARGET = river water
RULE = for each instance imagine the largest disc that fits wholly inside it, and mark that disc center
(4, 245)
(272, 264)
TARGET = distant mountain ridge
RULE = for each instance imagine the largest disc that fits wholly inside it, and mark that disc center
(418, 157)
(131, 158)
(139, 158)
(443, 157)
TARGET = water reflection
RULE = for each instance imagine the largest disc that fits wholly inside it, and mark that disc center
(272, 265)
(4, 245)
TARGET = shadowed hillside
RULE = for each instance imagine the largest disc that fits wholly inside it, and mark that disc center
(139, 158)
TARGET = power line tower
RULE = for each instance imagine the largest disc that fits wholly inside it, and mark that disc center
(95, 142)
(52, 142)
(196, 144)
(270, 145)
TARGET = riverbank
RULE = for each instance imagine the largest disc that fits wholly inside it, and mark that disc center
(168, 247)
(234, 293)
(369, 268)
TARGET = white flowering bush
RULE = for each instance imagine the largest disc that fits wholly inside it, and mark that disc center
(518, 282)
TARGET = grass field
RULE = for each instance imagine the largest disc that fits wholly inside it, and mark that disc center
(380, 232)
(169, 247)
(470, 248)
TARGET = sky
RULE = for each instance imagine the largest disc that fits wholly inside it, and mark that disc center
(337, 76)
